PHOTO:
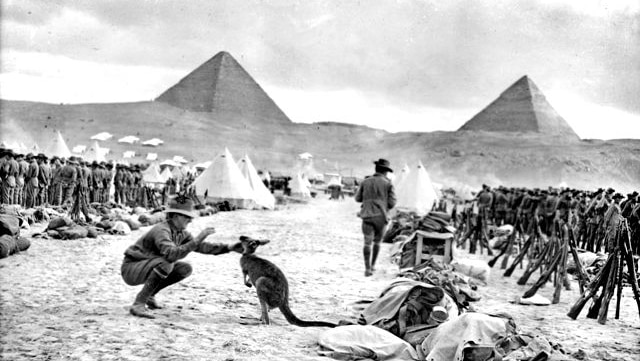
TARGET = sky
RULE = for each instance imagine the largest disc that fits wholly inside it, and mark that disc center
(403, 65)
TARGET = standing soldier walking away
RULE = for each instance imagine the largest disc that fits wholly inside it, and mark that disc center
(44, 179)
(377, 195)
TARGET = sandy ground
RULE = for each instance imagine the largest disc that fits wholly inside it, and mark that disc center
(65, 300)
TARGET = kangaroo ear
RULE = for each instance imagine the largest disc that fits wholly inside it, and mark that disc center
(244, 238)
(263, 241)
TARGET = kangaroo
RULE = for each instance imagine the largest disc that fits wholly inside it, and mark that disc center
(270, 283)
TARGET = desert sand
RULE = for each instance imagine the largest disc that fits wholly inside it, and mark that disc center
(65, 300)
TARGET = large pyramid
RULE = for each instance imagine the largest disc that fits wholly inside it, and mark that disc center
(521, 108)
(221, 84)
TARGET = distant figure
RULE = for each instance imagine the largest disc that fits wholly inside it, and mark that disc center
(377, 195)
(154, 260)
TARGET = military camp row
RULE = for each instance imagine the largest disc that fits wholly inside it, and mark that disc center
(34, 179)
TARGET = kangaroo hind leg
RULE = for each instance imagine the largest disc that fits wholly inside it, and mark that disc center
(264, 289)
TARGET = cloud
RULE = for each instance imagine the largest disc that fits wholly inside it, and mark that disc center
(58, 79)
(416, 54)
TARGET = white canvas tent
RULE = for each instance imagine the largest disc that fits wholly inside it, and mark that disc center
(401, 174)
(179, 159)
(79, 149)
(178, 172)
(130, 139)
(333, 179)
(170, 162)
(102, 136)
(152, 156)
(154, 142)
(152, 174)
(129, 154)
(415, 193)
(95, 153)
(58, 147)
(222, 180)
(299, 187)
(263, 196)
(166, 174)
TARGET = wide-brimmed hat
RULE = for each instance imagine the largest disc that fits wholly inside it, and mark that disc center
(383, 163)
(618, 196)
(182, 206)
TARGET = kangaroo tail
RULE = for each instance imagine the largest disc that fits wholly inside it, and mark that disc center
(286, 311)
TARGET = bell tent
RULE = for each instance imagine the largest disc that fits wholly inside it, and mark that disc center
(95, 153)
(401, 175)
(415, 192)
(263, 196)
(152, 174)
(299, 187)
(58, 148)
(223, 181)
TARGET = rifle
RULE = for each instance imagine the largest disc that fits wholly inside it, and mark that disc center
(583, 278)
(591, 289)
(532, 267)
(520, 257)
(628, 257)
(544, 277)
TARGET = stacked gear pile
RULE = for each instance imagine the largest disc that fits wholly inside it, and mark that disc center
(10, 240)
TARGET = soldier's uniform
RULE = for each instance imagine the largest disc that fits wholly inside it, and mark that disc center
(118, 183)
(55, 188)
(109, 174)
(68, 176)
(31, 180)
(96, 182)
(11, 171)
(44, 179)
(23, 166)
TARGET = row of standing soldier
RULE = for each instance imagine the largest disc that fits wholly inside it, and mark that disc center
(587, 212)
(37, 180)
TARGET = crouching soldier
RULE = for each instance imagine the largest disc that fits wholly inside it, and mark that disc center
(154, 260)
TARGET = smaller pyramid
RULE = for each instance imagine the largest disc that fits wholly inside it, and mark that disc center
(222, 84)
(521, 108)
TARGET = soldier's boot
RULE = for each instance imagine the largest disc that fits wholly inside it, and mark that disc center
(139, 307)
(374, 256)
(181, 270)
(366, 252)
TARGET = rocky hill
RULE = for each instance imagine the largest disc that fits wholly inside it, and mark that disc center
(219, 105)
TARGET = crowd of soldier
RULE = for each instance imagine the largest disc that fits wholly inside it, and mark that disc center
(36, 180)
(590, 214)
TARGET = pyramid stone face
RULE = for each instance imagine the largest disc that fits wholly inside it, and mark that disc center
(521, 108)
(222, 84)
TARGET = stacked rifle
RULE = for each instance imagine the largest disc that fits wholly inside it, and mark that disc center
(609, 278)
